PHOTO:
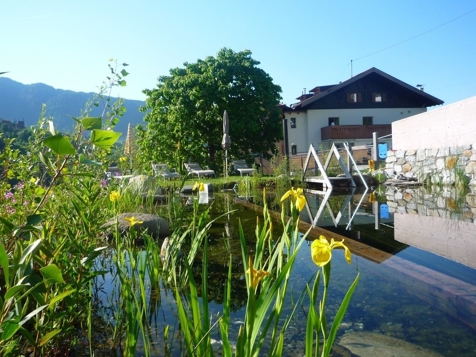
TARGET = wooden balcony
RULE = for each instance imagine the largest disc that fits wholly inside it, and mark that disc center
(352, 132)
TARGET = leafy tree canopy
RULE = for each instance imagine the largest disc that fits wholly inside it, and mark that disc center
(185, 112)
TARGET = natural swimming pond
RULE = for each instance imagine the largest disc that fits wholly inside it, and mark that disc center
(413, 250)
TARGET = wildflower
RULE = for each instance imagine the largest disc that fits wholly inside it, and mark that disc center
(19, 186)
(114, 196)
(321, 251)
(133, 221)
(103, 183)
(297, 197)
(371, 165)
(255, 275)
(123, 159)
(10, 210)
(8, 195)
(199, 185)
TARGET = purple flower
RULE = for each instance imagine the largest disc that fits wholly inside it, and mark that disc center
(10, 210)
(19, 186)
(103, 183)
(8, 195)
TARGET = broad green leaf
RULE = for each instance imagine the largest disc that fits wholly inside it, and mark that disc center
(39, 190)
(7, 224)
(9, 328)
(92, 123)
(52, 274)
(60, 145)
(33, 219)
(104, 138)
(15, 290)
(49, 336)
(124, 73)
(122, 83)
(84, 160)
(61, 297)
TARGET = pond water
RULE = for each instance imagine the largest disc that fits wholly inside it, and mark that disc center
(414, 254)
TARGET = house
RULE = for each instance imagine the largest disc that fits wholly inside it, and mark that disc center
(350, 112)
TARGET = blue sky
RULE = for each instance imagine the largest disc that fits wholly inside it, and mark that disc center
(300, 44)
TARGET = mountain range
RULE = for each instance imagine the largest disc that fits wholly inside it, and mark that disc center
(23, 102)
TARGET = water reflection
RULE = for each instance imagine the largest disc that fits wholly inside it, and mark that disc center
(425, 241)
(411, 287)
(321, 199)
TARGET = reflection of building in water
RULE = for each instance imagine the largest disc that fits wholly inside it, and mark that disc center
(442, 223)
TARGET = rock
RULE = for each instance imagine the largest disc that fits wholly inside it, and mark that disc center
(371, 344)
(154, 225)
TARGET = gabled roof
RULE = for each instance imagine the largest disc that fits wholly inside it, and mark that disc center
(324, 91)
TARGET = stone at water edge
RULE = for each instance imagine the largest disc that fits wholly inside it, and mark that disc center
(370, 344)
(154, 225)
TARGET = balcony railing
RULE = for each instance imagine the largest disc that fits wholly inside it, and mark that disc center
(354, 131)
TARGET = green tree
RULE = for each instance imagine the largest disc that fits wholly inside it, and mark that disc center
(185, 111)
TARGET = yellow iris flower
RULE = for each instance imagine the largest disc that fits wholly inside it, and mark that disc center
(321, 251)
(123, 159)
(114, 196)
(299, 200)
(199, 185)
(371, 165)
(255, 275)
(371, 197)
(133, 221)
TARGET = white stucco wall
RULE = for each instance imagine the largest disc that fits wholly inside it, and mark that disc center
(309, 124)
(453, 125)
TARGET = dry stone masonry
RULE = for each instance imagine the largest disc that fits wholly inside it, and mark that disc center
(445, 166)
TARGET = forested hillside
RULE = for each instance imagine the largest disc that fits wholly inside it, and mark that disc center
(22, 102)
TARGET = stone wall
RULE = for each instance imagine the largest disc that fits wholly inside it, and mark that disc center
(446, 203)
(446, 166)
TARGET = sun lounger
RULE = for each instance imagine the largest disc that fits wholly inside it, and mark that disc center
(242, 167)
(194, 168)
(164, 171)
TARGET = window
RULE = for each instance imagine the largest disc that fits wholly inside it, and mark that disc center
(379, 97)
(293, 149)
(293, 123)
(334, 120)
(367, 120)
(354, 97)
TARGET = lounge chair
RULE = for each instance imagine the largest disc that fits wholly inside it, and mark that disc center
(242, 167)
(194, 168)
(112, 172)
(164, 171)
